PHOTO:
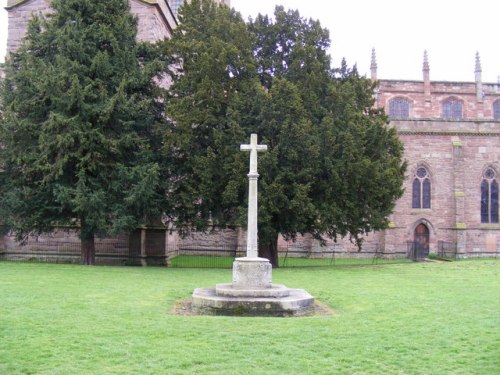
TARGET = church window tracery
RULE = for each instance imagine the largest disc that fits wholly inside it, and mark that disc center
(421, 189)
(452, 109)
(496, 110)
(399, 108)
(489, 197)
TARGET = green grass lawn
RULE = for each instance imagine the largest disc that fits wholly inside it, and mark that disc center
(419, 318)
(210, 261)
(201, 261)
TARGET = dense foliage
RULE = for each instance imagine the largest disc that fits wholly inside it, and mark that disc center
(80, 124)
(334, 168)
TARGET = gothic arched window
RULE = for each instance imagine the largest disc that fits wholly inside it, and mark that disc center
(399, 108)
(452, 109)
(489, 197)
(421, 191)
(496, 110)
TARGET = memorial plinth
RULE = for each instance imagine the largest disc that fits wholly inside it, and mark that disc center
(297, 303)
(252, 292)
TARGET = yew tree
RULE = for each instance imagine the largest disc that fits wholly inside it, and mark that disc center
(209, 106)
(333, 167)
(80, 124)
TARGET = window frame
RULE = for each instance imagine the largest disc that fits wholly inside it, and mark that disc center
(399, 108)
(496, 109)
(452, 109)
(489, 204)
(421, 189)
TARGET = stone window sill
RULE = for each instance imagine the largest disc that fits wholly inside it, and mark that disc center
(489, 226)
(421, 210)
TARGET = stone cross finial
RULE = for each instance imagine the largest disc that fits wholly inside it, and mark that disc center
(253, 147)
(253, 175)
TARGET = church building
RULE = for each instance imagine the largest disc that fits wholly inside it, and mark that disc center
(451, 135)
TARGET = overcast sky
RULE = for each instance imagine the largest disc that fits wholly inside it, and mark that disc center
(450, 30)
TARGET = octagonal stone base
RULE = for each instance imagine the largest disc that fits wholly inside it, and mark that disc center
(296, 302)
(252, 294)
(273, 291)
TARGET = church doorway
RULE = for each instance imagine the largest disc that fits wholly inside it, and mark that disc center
(421, 241)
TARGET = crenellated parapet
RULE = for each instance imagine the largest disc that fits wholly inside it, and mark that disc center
(440, 100)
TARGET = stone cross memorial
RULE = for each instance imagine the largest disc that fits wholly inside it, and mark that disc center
(253, 176)
(252, 291)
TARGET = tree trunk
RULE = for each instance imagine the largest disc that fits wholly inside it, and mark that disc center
(87, 245)
(88, 252)
(269, 250)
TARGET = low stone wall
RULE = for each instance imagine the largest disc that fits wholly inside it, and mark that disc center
(63, 246)
(308, 247)
(155, 246)
(483, 241)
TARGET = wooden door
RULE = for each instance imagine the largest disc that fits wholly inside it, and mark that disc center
(421, 239)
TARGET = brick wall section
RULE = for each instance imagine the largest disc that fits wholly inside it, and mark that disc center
(436, 153)
(455, 153)
(214, 237)
(307, 246)
(19, 17)
(155, 19)
(63, 245)
(430, 107)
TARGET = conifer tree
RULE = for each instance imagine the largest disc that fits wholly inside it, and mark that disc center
(333, 167)
(214, 79)
(80, 124)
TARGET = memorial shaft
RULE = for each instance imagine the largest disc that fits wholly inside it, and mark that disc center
(253, 176)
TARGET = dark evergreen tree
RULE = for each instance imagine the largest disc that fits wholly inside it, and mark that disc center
(80, 124)
(361, 167)
(214, 78)
(293, 48)
(333, 167)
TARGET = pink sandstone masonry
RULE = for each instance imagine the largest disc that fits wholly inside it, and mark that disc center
(424, 106)
(155, 19)
(19, 14)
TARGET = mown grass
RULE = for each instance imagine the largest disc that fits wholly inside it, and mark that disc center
(210, 261)
(338, 261)
(201, 261)
(421, 318)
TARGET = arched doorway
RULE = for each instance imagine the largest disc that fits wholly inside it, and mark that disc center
(421, 241)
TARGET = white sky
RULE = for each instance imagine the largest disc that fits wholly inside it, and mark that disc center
(399, 30)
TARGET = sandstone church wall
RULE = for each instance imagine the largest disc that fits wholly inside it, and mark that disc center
(483, 242)
(451, 180)
(19, 14)
(155, 19)
(429, 106)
